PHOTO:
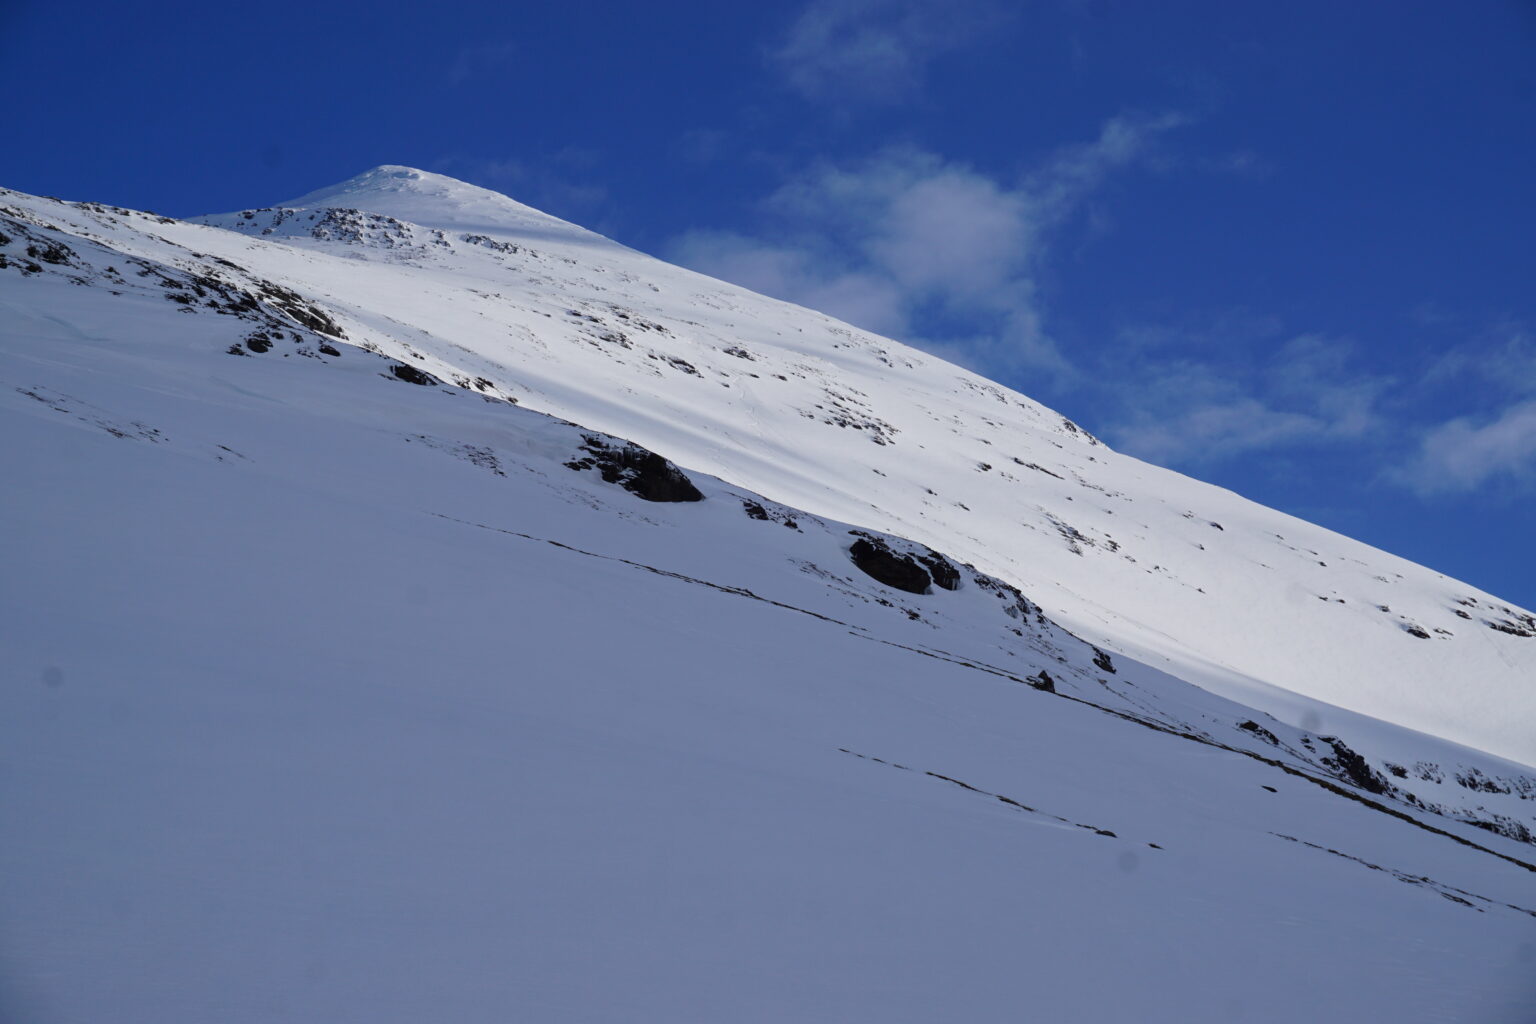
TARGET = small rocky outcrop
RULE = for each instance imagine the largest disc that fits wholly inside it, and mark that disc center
(945, 576)
(876, 560)
(411, 375)
(639, 471)
(301, 310)
(1017, 606)
(1501, 824)
(1355, 768)
(1259, 731)
(913, 571)
(258, 341)
(756, 510)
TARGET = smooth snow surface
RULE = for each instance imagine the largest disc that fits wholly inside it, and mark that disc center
(339, 697)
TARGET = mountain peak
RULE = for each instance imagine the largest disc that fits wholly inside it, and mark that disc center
(395, 180)
(438, 201)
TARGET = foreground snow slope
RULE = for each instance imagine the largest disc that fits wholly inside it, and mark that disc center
(1248, 602)
(337, 694)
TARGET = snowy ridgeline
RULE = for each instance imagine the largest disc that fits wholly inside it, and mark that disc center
(346, 688)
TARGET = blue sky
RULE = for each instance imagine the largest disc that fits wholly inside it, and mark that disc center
(1288, 248)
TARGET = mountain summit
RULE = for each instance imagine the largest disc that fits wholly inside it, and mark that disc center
(438, 201)
(420, 608)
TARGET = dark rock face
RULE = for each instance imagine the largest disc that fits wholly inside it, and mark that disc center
(1475, 780)
(51, 253)
(912, 571)
(637, 470)
(1017, 607)
(755, 510)
(1504, 826)
(306, 313)
(1354, 767)
(411, 375)
(1259, 731)
(1042, 681)
(945, 576)
(1102, 660)
(900, 572)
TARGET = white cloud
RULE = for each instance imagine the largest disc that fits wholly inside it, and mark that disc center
(1212, 404)
(1490, 381)
(797, 274)
(1206, 433)
(1078, 170)
(934, 252)
(875, 50)
(1463, 454)
(1179, 411)
(940, 230)
(1316, 371)
(1502, 357)
(896, 244)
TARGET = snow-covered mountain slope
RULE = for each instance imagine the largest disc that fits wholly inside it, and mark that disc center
(338, 693)
(1250, 603)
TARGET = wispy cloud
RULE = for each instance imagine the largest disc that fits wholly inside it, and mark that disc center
(1212, 403)
(800, 273)
(1466, 453)
(875, 50)
(1076, 170)
(1497, 372)
(1195, 397)
(1500, 359)
(931, 251)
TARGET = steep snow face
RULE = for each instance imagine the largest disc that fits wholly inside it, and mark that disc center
(1250, 603)
(337, 692)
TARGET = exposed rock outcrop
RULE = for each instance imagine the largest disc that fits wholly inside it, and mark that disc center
(638, 470)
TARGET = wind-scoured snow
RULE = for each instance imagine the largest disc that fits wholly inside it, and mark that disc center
(344, 687)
